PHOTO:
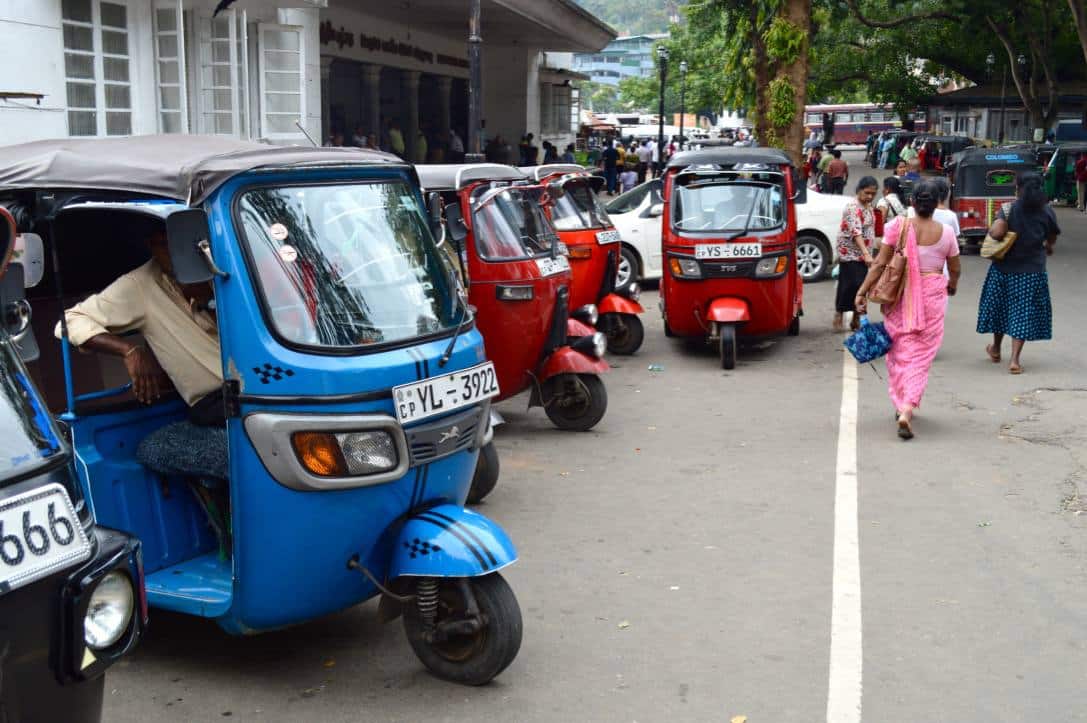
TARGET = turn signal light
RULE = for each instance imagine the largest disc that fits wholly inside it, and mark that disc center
(581, 252)
(319, 453)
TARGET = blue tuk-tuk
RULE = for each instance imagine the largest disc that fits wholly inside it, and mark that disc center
(355, 392)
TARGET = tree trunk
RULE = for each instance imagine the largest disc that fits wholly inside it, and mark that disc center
(797, 12)
(762, 73)
(1079, 15)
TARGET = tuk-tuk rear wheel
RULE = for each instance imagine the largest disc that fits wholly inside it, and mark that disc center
(727, 345)
(625, 334)
(575, 402)
(473, 658)
(486, 476)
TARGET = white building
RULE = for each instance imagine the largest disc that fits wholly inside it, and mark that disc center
(262, 68)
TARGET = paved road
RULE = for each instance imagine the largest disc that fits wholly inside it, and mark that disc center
(677, 563)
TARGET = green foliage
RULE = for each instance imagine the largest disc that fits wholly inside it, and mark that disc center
(782, 103)
(784, 41)
(600, 98)
(632, 17)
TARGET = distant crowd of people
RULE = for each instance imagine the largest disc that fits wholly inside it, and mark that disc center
(430, 146)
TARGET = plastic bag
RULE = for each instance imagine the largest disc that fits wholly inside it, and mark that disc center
(869, 342)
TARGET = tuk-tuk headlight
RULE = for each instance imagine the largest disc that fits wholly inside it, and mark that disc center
(685, 268)
(633, 292)
(771, 266)
(588, 314)
(600, 344)
(596, 344)
(109, 611)
(349, 454)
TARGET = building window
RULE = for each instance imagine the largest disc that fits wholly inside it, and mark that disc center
(224, 75)
(170, 68)
(560, 109)
(282, 85)
(97, 67)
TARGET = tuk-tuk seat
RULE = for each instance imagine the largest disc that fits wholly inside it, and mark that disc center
(183, 449)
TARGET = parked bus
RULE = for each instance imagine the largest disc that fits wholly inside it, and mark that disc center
(854, 121)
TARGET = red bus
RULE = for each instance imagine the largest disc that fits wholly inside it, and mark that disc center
(854, 121)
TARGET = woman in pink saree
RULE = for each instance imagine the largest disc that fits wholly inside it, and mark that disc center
(916, 322)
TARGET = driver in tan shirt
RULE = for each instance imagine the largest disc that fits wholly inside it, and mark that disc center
(180, 333)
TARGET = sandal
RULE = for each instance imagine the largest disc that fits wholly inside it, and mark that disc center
(905, 431)
(994, 356)
(1014, 368)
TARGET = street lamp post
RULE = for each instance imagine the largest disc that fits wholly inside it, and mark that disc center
(662, 56)
(1022, 61)
(682, 99)
(475, 84)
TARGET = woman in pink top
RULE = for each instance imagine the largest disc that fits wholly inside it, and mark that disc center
(916, 323)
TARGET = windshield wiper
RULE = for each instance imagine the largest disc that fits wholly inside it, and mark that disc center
(464, 316)
(747, 222)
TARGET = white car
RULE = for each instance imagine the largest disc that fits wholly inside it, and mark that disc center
(637, 216)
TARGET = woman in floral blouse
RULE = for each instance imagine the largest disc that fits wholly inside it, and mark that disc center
(855, 239)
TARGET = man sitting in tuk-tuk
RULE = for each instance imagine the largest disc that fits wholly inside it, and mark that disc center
(178, 344)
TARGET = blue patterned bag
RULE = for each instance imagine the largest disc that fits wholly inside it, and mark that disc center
(869, 342)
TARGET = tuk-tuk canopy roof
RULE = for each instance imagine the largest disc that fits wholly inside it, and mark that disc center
(730, 156)
(453, 176)
(996, 157)
(187, 168)
(538, 173)
(948, 140)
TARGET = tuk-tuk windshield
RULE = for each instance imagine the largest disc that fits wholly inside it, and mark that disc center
(28, 437)
(348, 264)
(728, 202)
(579, 209)
(510, 224)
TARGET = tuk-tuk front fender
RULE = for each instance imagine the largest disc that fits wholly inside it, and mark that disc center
(575, 328)
(728, 311)
(616, 304)
(565, 360)
(450, 541)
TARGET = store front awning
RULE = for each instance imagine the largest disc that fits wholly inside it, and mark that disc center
(558, 25)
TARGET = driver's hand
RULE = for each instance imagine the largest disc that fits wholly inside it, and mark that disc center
(144, 370)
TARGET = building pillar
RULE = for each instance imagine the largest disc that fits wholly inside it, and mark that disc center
(445, 89)
(409, 110)
(371, 99)
(326, 99)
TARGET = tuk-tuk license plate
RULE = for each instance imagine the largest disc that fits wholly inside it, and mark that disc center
(438, 395)
(728, 251)
(551, 266)
(608, 237)
(40, 533)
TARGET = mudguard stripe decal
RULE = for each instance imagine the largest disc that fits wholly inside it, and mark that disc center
(414, 490)
(422, 487)
(467, 543)
(467, 531)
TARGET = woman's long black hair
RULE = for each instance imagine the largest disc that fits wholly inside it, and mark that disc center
(892, 184)
(926, 196)
(1031, 190)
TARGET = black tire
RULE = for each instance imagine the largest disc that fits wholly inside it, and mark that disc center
(575, 402)
(625, 334)
(794, 326)
(812, 258)
(486, 476)
(630, 257)
(470, 659)
(727, 344)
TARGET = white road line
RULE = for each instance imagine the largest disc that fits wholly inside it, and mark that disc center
(846, 659)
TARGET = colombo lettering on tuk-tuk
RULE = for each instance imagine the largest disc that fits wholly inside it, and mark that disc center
(518, 277)
(729, 241)
(594, 247)
(71, 592)
(355, 395)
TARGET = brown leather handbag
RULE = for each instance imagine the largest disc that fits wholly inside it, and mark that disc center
(892, 280)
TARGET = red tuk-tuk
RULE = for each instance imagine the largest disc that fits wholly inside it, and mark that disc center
(518, 279)
(729, 246)
(593, 245)
(983, 179)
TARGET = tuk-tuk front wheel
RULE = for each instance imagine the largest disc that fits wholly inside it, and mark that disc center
(727, 345)
(486, 476)
(466, 630)
(625, 334)
(575, 402)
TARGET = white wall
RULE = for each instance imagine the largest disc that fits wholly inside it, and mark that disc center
(31, 61)
(510, 92)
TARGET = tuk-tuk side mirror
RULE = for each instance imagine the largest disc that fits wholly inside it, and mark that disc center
(30, 253)
(556, 190)
(188, 235)
(454, 225)
(434, 216)
(655, 211)
(800, 188)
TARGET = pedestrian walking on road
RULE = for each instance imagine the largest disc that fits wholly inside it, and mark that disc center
(891, 205)
(1015, 297)
(855, 241)
(916, 322)
(610, 157)
(837, 173)
(1081, 182)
